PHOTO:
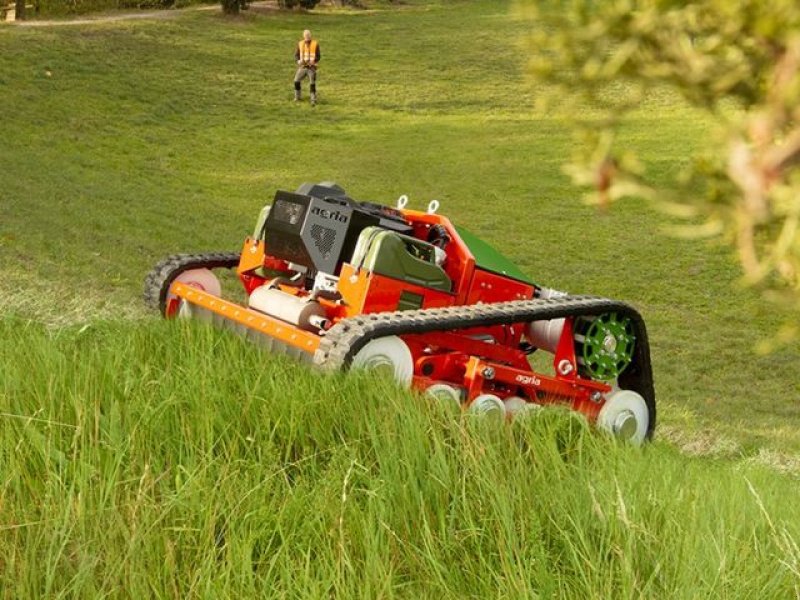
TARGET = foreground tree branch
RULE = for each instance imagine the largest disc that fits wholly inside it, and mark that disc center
(739, 61)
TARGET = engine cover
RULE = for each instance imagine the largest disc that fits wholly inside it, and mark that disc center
(319, 232)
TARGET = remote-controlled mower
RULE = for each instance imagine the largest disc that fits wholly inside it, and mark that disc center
(346, 284)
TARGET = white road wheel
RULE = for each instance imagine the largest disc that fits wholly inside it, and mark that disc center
(488, 404)
(444, 393)
(519, 407)
(625, 415)
(387, 354)
(202, 279)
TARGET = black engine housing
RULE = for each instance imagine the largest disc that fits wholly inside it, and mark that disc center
(318, 226)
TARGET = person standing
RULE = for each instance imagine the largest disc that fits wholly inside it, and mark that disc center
(307, 56)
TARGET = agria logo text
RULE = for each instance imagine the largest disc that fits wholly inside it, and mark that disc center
(528, 380)
(333, 215)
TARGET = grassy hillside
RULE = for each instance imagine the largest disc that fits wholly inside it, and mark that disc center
(142, 458)
(169, 461)
(129, 141)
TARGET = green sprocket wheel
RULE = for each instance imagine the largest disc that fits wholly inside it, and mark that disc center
(604, 345)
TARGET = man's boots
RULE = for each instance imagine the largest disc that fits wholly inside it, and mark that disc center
(313, 89)
(297, 95)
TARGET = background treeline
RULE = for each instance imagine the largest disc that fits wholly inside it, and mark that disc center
(67, 7)
(73, 7)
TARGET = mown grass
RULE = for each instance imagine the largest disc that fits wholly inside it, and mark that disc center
(164, 460)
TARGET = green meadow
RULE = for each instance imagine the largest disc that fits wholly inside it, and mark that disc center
(147, 459)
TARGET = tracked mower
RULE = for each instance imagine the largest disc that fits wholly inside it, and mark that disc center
(345, 284)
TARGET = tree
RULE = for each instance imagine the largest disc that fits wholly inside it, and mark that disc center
(19, 10)
(232, 7)
(739, 61)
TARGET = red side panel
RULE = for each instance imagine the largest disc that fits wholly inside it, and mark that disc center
(489, 287)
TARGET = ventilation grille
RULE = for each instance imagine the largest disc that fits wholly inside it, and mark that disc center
(324, 238)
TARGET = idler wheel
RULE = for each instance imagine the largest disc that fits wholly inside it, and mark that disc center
(388, 355)
(625, 416)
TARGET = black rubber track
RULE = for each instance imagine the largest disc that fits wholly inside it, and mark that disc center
(158, 280)
(343, 341)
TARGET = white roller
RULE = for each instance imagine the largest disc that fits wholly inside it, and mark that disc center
(488, 404)
(546, 334)
(303, 312)
(625, 415)
(388, 354)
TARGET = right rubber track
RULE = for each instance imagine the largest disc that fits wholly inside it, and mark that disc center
(343, 341)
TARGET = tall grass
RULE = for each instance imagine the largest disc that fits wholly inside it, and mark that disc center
(159, 459)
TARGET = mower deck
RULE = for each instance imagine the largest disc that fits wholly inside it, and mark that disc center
(265, 330)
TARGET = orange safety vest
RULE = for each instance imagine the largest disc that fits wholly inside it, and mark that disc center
(308, 52)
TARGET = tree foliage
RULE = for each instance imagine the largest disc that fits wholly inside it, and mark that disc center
(738, 60)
